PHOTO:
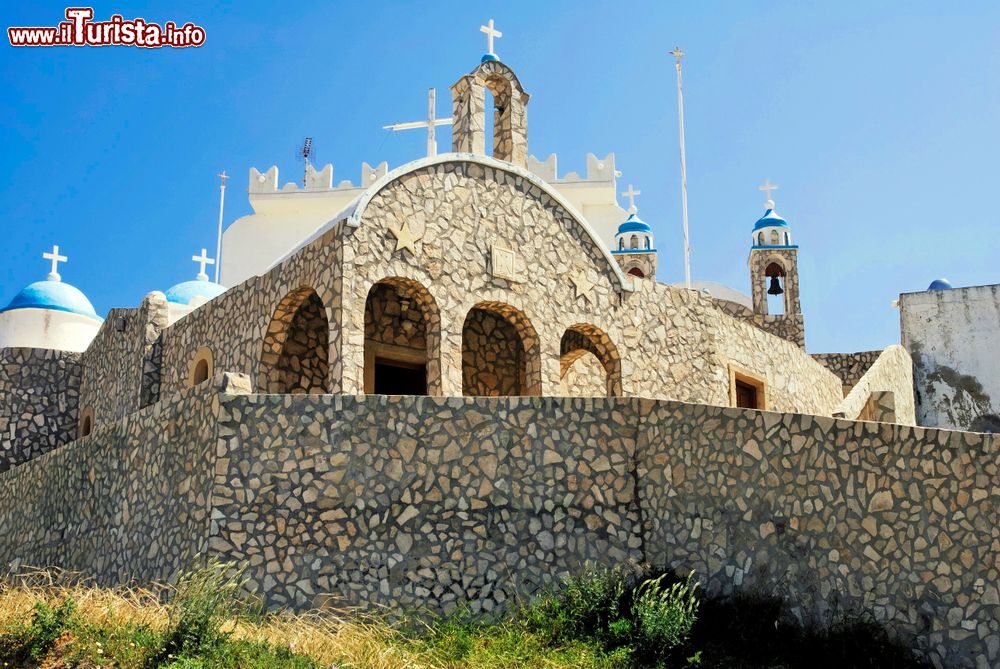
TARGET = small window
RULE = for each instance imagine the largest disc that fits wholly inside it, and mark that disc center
(746, 391)
(786, 239)
(760, 239)
(775, 239)
(201, 367)
(635, 271)
(621, 244)
(648, 243)
(86, 422)
(634, 242)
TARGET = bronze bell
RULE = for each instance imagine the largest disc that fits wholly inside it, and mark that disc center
(775, 288)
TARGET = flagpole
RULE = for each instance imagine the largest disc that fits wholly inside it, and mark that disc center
(677, 53)
(218, 242)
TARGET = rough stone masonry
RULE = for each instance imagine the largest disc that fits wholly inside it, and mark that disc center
(433, 502)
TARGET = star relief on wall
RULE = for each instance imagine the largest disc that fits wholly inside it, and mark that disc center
(582, 286)
(405, 238)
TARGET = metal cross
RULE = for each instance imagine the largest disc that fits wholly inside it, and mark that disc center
(203, 260)
(56, 259)
(490, 34)
(767, 187)
(630, 194)
(430, 123)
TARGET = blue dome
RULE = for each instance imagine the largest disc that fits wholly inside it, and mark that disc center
(634, 224)
(183, 293)
(940, 284)
(55, 296)
(770, 219)
(488, 57)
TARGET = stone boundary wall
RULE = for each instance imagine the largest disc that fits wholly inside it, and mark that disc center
(130, 501)
(430, 502)
(849, 367)
(892, 372)
(40, 390)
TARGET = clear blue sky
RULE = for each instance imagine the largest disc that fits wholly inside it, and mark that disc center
(880, 121)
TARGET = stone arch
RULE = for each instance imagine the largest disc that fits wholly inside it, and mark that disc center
(86, 422)
(636, 272)
(501, 352)
(510, 124)
(295, 358)
(201, 367)
(402, 339)
(775, 267)
(583, 339)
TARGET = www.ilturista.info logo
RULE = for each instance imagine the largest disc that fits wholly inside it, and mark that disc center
(80, 30)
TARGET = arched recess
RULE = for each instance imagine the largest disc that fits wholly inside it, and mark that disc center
(86, 422)
(501, 352)
(402, 339)
(580, 341)
(777, 304)
(201, 367)
(296, 354)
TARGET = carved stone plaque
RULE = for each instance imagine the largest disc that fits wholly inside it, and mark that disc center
(503, 263)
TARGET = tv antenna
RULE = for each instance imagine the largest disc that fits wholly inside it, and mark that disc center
(304, 154)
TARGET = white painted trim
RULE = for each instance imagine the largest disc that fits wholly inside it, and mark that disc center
(354, 220)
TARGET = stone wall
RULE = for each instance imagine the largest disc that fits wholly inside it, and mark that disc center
(889, 380)
(585, 376)
(130, 501)
(493, 356)
(849, 367)
(40, 393)
(424, 501)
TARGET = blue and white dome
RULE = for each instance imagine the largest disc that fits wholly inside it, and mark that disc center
(940, 284)
(195, 292)
(53, 296)
(634, 236)
(49, 315)
(771, 230)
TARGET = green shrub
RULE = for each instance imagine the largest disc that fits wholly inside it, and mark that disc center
(586, 606)
(203, 600)
(35, 640)
(663, 615)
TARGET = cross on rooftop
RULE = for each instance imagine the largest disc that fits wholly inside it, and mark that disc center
(490, 34)
(430, 123)
(203, 260)
(56, 259)
(630, 194)
(767, 187)
(677, 53)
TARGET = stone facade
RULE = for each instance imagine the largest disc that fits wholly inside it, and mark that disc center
(790, 324)
(849, 367)
(510, 113)
(39, 412)
(884, 393)
(433, 502)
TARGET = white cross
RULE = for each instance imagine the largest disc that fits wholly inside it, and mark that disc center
(56, 259)
(767, 187)
(203, 259)
(490, 34)
(630, 194)
(432, 148)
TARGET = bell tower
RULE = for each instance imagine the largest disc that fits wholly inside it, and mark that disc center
(510, 114)
(774, 273)
(633, 244)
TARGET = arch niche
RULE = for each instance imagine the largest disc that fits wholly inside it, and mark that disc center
(589, 363)
(402, 339)
(296, 354)
(501, 352)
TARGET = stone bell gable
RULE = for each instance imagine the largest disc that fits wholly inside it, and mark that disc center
(510, 113)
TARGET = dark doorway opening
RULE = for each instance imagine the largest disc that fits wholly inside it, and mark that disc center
(394, 377)
(746, 395)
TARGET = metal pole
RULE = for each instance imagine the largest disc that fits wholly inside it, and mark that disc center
(432, 148)
(218, 243)
(684, 193)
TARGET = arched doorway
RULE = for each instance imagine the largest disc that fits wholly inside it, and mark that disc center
(501, 354)
(402, 339)
(589, 364)
(295, 357)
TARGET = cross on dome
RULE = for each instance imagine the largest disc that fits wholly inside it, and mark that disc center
(429, 124)
(630, 194)
(767, 187)
(203, 260)
(491, 32)
(56, 259)
(677, 53)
